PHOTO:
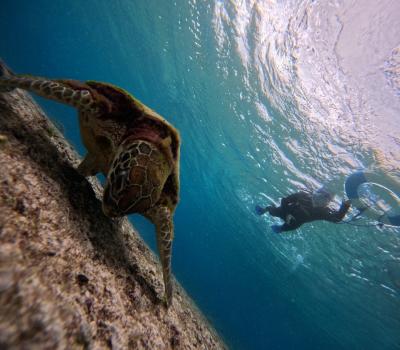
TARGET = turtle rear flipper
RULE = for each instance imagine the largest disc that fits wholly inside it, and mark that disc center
(57, 90)
(70, 92)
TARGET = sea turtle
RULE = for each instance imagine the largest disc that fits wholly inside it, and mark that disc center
(133, 146)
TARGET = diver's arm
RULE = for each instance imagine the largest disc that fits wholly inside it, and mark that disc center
(275, 211)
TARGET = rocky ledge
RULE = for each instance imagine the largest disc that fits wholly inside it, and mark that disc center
(71, 278)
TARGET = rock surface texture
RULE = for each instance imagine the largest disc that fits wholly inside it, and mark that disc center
(71, 278)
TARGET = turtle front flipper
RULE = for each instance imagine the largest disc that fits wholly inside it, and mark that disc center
(73, 93)
(161, 216)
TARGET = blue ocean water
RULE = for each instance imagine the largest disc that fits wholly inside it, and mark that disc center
(270, 98)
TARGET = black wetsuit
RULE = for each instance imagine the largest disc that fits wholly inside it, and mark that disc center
(298, 209)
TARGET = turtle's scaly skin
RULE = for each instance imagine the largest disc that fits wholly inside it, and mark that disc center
(129, 143)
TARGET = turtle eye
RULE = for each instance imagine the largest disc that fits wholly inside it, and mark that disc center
(136, 179)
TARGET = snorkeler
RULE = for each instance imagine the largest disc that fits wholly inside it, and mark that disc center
(302, 207)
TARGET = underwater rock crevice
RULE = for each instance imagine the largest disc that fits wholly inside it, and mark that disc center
(69, 276)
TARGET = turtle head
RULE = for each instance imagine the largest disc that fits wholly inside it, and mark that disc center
(136, 178)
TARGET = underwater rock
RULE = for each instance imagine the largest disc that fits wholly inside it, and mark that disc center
(71, 278)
